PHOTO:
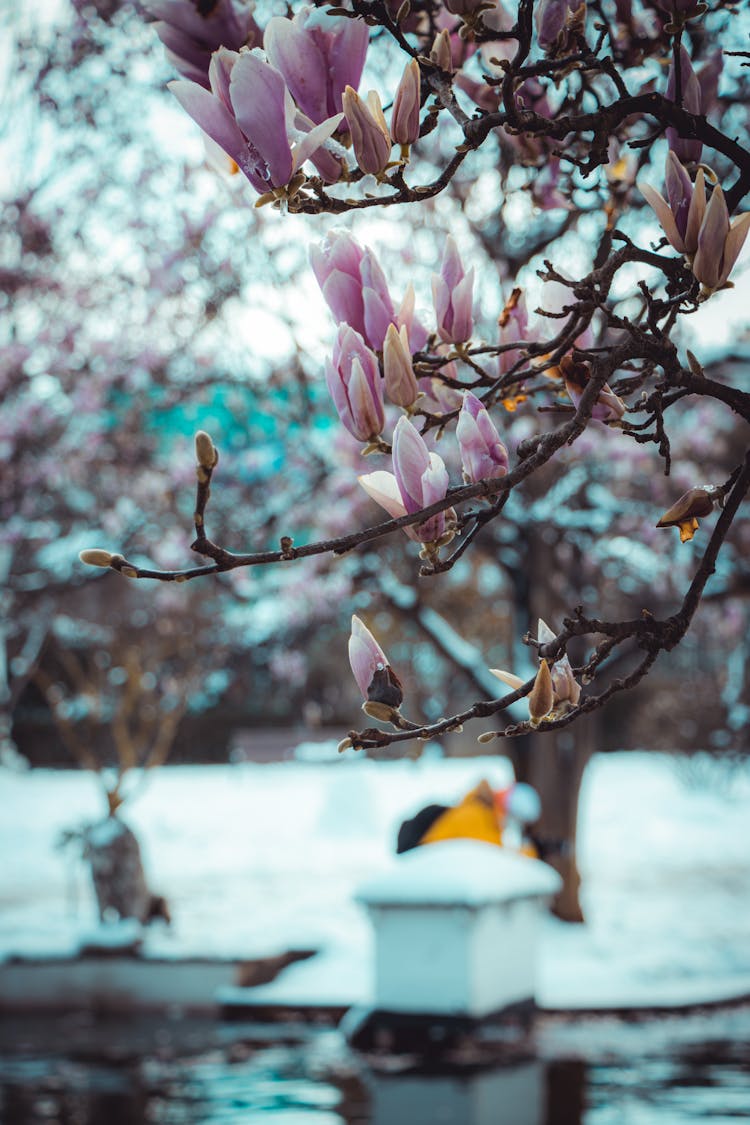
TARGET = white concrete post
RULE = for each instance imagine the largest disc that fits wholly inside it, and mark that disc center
(456, 926)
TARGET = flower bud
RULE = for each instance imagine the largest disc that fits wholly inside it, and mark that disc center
(452, 297)
(400, 383)
(405, 115)
(375, 678)
(370, 137)
(353, 378)
(205, 450)
(483, 454)
(541, 697)
(96, 557)
(440, 52)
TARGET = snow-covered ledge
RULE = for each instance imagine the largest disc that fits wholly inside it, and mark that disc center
(456, 926)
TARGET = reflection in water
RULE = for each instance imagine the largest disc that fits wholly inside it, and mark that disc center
(187, 1072)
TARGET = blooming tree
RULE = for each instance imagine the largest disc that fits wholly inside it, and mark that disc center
(519, 126)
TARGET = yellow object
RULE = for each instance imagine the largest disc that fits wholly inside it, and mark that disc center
(474, 818)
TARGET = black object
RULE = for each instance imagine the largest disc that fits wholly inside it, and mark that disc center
(411, 831)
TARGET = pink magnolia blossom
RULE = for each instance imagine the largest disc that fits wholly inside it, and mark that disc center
(419, 479)
(405, 115)
(190, 37)
(371, 139)
(550, 17)
(375, 678)
(719, 243)
(319, 56)
(682, 212)
(483, 455)
(398, 372)
(249, 114)
(685, 148)
(452, 296)
(353, 378)
(356, 291)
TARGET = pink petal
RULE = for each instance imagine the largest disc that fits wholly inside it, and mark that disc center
(258, 98)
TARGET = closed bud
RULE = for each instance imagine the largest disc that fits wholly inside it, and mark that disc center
(96, 557)
(441, 52)
(400, 383)
(205, 450)
(405, 115)
(370, 137)
(541, 697)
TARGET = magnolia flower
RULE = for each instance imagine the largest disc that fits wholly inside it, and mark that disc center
(405, 115)
(356, 291)
(550, 18)
(452, 296)
(686, 149)
(685, 512)
(682, 212)
(608, 407)
(555, 689)
(483, 454)
(371, 140)
(250, 115)
(719, 243)
(353, 378)
(419, 479)
(319, 56)
(398, 372)
(513, 324)
(190, 36)
(375, 678)
(566, 688)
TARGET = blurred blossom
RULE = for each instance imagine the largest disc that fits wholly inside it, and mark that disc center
(190, 37)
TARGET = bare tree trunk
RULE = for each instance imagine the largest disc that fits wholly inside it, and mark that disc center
(554, 765)
(117, 873)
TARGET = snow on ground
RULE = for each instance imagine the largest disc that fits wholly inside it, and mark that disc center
(255, 859)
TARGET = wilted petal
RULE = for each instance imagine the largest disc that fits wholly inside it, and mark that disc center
(544, 634)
